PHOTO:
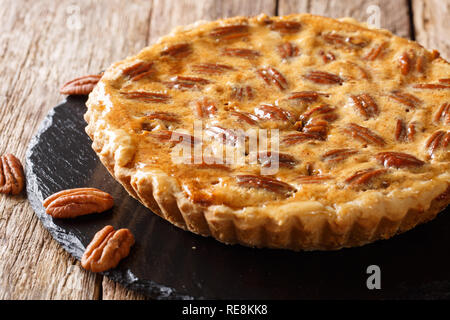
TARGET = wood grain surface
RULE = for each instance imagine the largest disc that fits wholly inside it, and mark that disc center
(431, 24)
(44, 43)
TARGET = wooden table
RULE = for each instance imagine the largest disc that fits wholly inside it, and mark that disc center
(44, 43)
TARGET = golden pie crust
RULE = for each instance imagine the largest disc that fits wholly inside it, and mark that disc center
(363, 118)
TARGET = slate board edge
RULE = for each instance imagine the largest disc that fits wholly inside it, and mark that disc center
(127, 279)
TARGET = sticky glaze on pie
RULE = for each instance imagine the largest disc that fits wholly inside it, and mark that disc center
(363, 118)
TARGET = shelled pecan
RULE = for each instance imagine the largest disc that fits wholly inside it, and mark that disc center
(264, 182)
(80, 86)
(405, 98)
(241, 53)
(322, 77)
(283, 159)
(230, 32)
(186, 83)
(403, 132)
(12, 179)
(174, 137)
(411, 131)
(316, 126)
(420, 64)
(139, 70)
(211, 68)
(337, 155)
(146, 96)
(439, 139)
(180, 50)
(433, 86)
(398, 159)
(286, 26)
(410, 61)
(324, 111)
(363, 134)
(271, 112)
(307, 96)
(205, 108)
(308, 179)
(344, 41)
(288, 50)
(404, 61)
(327, 56)
(300, 137)
(313, 125)
(362, 178)
(376, 51)
(273, 76)
(161, 115)
(72, 203)
(366, 105)
(443, 114)
(106, 249)
(245, 116)
(242, 93)
(224, 135)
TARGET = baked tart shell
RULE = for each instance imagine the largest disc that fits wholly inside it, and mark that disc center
(293, 226)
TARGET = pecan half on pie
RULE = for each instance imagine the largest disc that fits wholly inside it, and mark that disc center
(360, 121)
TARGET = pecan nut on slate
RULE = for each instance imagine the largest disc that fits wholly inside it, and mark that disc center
(107, 249)
(72, 203)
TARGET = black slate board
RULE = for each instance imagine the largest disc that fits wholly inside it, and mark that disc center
(163, 263)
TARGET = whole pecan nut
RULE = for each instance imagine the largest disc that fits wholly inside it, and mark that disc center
(12, 179)
(80, 86)
(107, 249)
(72, 203)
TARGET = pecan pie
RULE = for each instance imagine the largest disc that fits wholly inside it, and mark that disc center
(360, 122)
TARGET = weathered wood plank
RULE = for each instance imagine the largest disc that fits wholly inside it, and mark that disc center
(40, 48)
(393, 15)
(114, 291)
(432, 24)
